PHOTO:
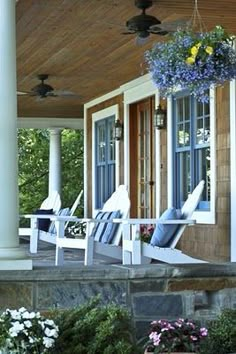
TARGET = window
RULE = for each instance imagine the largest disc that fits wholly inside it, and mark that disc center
(191, 148)
(104, 160)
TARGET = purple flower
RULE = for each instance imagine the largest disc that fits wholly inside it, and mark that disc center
(212, 63)
(179, 336)
(203, 332)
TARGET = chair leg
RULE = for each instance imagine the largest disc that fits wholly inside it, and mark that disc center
(59, 258)
(34, 235)
(136, 252)
(126, 242)
(60, 230)
(89, 251)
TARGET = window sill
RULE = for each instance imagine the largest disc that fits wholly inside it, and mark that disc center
(204, 217)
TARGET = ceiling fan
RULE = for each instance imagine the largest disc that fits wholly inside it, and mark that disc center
(143, 25)
(43, 90)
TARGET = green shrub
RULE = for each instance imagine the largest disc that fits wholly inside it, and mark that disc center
(221, 334)
(94, 329)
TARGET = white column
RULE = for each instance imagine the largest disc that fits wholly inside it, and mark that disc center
(11, 256)
(55, 161)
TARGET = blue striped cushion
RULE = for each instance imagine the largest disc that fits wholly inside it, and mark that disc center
(62, 212)
(104, 232)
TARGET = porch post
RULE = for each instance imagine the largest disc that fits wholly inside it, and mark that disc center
(11, 256)
(55, 161)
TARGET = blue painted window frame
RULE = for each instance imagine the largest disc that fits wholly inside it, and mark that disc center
(192, 152)
(105, 160)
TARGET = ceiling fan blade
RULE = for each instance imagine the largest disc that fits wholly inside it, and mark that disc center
(130, 32)
(62, 93)
(159, 32)
(22, 93)
(170, 26)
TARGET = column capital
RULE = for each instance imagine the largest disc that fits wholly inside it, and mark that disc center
(55, 130)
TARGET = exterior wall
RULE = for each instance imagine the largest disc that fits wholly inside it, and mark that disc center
(96, 108)
(209, 241)
(150, 292)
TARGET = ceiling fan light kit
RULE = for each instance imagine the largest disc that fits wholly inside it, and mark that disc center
(143, 25)
(42, 90)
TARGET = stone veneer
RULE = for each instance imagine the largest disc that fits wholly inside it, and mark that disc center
(150, 292)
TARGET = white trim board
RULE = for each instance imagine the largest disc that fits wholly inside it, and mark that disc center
(135, 91)
(45, 123)
(102, 114)
(202, 217)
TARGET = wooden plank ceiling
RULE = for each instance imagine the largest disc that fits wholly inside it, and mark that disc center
(79, 44)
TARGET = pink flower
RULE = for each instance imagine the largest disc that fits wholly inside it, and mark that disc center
(155, 337)
(203, 332)
(194, 338)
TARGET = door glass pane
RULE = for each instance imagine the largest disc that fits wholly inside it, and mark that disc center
(144, 155)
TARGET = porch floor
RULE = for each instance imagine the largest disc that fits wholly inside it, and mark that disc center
(45, 257)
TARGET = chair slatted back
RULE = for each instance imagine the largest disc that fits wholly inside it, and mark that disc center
(53, 201)
(119, 200)
(187, 210)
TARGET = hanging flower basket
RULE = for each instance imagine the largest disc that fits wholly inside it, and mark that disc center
(192, 61)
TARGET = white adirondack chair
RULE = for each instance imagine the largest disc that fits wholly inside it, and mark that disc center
(53, 201)
(137, 252)
(119, 200)
(49, 236)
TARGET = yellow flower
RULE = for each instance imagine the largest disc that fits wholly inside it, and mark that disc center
(209, 50)
(198, 45)
(194, 50)
(190, 60)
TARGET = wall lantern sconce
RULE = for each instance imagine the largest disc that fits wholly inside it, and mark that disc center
(118, 130)
(160, 118)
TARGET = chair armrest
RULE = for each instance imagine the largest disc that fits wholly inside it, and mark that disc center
(155, 221)
(37, 216)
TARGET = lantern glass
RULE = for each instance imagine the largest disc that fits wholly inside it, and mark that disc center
(160, 118)
(118, 130)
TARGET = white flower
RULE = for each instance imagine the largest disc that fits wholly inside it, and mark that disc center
(48, 342)
(42, 324)
(28, 324)
(37, 315)
(49, 322)
(22, 309)
(31, 340)
(51, 333)
(28, 315)
(15, 315)
(16, 328)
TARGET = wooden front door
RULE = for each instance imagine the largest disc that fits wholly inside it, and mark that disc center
(142, 169)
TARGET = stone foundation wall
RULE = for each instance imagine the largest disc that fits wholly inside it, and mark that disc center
(150, 292)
